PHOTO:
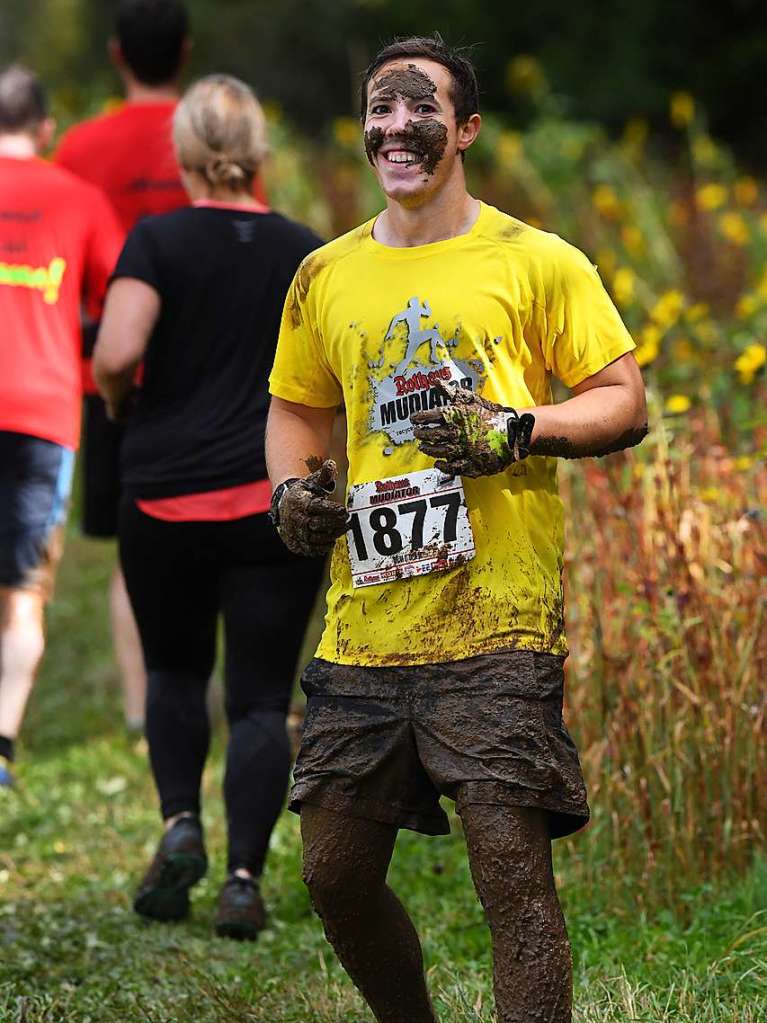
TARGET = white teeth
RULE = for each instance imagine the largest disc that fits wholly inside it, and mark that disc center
(401, 156)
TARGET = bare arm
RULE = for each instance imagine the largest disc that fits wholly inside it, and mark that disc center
(131, 311)
(297, 439)
(607, 413)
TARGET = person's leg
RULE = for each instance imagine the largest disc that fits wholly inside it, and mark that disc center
(265, 608)
(21, 648)
(130, 660)
(510, 856)
(174, 600)
(345, 864)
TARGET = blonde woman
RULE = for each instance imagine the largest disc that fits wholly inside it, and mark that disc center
(197, 296)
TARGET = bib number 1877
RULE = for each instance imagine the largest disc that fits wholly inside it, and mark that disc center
(390, 538)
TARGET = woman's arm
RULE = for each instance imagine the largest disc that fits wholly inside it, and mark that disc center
(131, 311)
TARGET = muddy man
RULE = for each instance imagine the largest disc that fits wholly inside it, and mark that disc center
(440, 671)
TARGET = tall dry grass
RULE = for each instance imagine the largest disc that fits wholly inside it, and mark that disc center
(667, 579)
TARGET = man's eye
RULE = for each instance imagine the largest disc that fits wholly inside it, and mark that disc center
(425, 108)
(379, 108)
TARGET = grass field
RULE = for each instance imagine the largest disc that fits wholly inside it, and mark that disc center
(77, 834)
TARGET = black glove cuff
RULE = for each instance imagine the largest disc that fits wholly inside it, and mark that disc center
(519, 432)
(277, 495)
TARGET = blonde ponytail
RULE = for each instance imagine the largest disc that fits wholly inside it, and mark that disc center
(219, 130)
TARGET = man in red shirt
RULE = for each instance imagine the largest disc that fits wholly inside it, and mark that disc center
(59, 240)
(129, 154)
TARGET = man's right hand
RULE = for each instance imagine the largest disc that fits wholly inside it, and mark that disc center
(307, 521)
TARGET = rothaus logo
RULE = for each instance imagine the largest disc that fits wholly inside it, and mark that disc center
(410, 386)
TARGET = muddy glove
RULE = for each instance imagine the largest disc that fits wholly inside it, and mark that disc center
(307, 521)
(471, 436)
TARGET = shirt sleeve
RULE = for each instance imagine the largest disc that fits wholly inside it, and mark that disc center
(584, 330)
(139, 257)
(302, 372)
(103, 247)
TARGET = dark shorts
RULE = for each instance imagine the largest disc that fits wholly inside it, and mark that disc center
(100, 461)
(386, 743)
(35, 481)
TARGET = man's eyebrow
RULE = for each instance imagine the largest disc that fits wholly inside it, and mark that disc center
(386, 93)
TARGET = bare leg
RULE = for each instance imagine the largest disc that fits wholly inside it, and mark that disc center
(130, 658)
(345, 865)
(510, 857)
(21, 646)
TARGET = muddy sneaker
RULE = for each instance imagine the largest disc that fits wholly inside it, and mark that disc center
(179, 862)
(241, 913)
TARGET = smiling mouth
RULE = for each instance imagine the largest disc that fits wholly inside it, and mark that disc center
(403, 157)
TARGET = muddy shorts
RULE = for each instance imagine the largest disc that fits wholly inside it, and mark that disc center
(386, 743)
(35, 480)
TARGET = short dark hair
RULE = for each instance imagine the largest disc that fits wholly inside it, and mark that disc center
(22, 100)
(465, 91)
(151, 34)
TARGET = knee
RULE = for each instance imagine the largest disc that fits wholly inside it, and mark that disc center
(336, 887)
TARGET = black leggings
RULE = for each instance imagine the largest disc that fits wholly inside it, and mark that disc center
(180, 576)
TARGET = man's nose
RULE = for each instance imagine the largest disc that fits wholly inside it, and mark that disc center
(398, 119)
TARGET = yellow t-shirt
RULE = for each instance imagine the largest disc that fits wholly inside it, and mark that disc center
(502, 308)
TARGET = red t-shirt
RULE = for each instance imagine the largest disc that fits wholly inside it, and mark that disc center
(129, 154)
(59, 242)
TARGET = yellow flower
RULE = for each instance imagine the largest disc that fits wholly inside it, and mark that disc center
(744, 462)
(684, 349)
(525, 74)
(734, 228)
(649, 346)
(623, 286)
(750, 360)
(509, 147)
(746, 191)
(711, 196)
(668, 309)
(746, 306)
(346, 131)
(704, 150)
(677, 404)
(696, 312)
(632, 239)
(606, 202)
(682, 109)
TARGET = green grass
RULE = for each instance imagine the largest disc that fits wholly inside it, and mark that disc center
(77, 834)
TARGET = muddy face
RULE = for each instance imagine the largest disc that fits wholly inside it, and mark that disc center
(426, 138)
(406, 82)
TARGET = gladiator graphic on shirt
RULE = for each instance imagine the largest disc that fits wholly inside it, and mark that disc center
(409, 383)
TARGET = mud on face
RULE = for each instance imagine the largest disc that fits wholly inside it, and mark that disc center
(427, 138)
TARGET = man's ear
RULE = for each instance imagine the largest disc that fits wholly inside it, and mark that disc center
(46, 131)
(467, 133)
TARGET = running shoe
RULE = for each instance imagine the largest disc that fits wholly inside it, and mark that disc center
(179, 863)
(241, 913)
(7, 779)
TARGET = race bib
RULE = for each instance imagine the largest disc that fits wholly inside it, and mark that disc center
(406, 526)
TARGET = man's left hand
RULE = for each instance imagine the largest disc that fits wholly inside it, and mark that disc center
(471, 436)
